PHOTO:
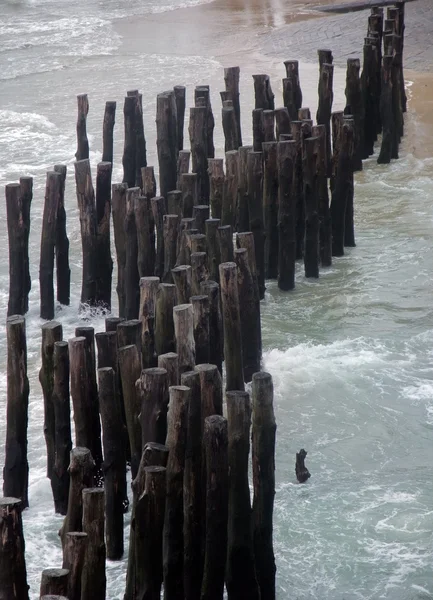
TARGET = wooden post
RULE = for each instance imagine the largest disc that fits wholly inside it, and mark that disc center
(159, 210)
(107, 131)
(16, 469)
(182, 280)
(270, 209)
(82, 141)
(309, 159)
(63, 271)
(325, 227)
(211, 288)
(199, 271)
(180, 101)
(349, 227)
(114, 465)
(202, 98)
(118, 193)
(250, 328)
(268, 126)
(242, 221)
(341, 186)
(81, 470)
(183, 250)
(387, 112)
(93, 579)
(326, 97)
(111, 323)
(170, 362)
(174, 203)
(48, 242)
(145, 236)
(230, 129)
(264, 96)
(130, 369)
(85, 399)
(337, 123)
(13, 574)
(199, 151)
(231, 78)
(171, 226)
(263, 458)
(292, 92)
(369, 85)
(62, 423)
(190, 192)
(246, 240)
(282, 123)
(103, 213)
(18, 200)
(258, 130)
(255, 210)
(148, 290)
(241, 580)
(211, 391)
(152, 395)
(129, 150)
(354, 103)
(129, 332)
(54, 582)
(232, 326)
(166, 141)
(225, 237)
(149, 520)
(140, 140)
(51, 332)
(230, 191)
(201, 317)
(182, 166)
(131, 275)
(184, 332)
(298, 190)
(200, 213)
(215, 444)
(213, 249)
(87, 208)
(173, 520)
(197, 241)
(164, 325)
(74, 552)
(192, 490)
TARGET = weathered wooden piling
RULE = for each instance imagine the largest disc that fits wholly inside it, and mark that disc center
(325, 227)
(292, 92)
(130, 143)
(16, 468)
(201, 318)
(199, 151)
(270, 209)
(140, 140)
(114, 465)
(190, 192)
(199, 271)
(211, 391)
(87, 208)
(241, 579)
(287, 214)
(342, 184)
(264, 97)
(103, 250)
(171, 227)
(93, 583)
(309, 174)
(326, 97)
(130, 369)
(74, 552)
(258, 130)
(54, 582)
(232, 326)
(164, 324)
(82, 141)
(144, 223)
(18, 223)
(282, 123)
(202, 98)
(62, 427)
(170, 362)
(107, 131)
(152, 394)
(148, 290)
(85, 398)
(159, 210)
(213, 248)
(183, 160)
(242, 222)
(183, 317)
(230, 193)
(13, 573)
(173, 520)
(246, 240)
(51, 332)
(298, 190)
(255, 212)
(225, 240)
(211, 288)
(63, 272)
(48, 243)
(182, 280)
(131, 275)
(369, 88)
(231, 78)
(200, 213)
(349, 227)
(387, 112)
(118, 200)
(81, 472)
(166, 141)
(268, 126)
(174, 203)
(355, 106)
(215, 444)
(263, 459)
(230, 129)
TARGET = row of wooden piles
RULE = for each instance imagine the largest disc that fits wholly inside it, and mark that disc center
(278, 189)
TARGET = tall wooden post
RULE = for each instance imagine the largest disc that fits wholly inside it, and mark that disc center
(48, 243)
(232, 326)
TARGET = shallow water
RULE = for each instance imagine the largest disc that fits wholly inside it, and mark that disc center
(350, 353)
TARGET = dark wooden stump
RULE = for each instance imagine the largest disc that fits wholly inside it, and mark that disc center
(152, 394)
(264, 97)
(166, 141)
(213, 248)
(48, 243)
(325, 226)
(171, 227)
(355, 103)
(342, 184)
(119, 213)
(130, 369)
(231, 184)
(190, 193)
(309, 164)
(159, 210)
(232, 326)
(270, 208)
(326, 97)
(13, 573)
(74, 552)
(164, 324)
(63, 271)
(93, 582)
(131, 275)
(242, 220)
(183, 160)
(107, 131)
(130, 143)
(54, 582)
(184, 331)
(82, 141)
(103, 249)
(231, 78)
(255, 211)
(287, 213)
(201, 318)
(211, 288)
(302, 473)
(170, 362)
(180, 101)
(292, 92)
(282, 123)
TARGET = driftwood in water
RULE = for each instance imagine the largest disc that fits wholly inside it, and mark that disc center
(107, 131)
(16, 469)
(48, 243)
(63, 271)
(13, 573)
(82, 141)
(302, 473)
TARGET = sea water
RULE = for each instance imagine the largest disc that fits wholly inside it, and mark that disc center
(350, 353)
